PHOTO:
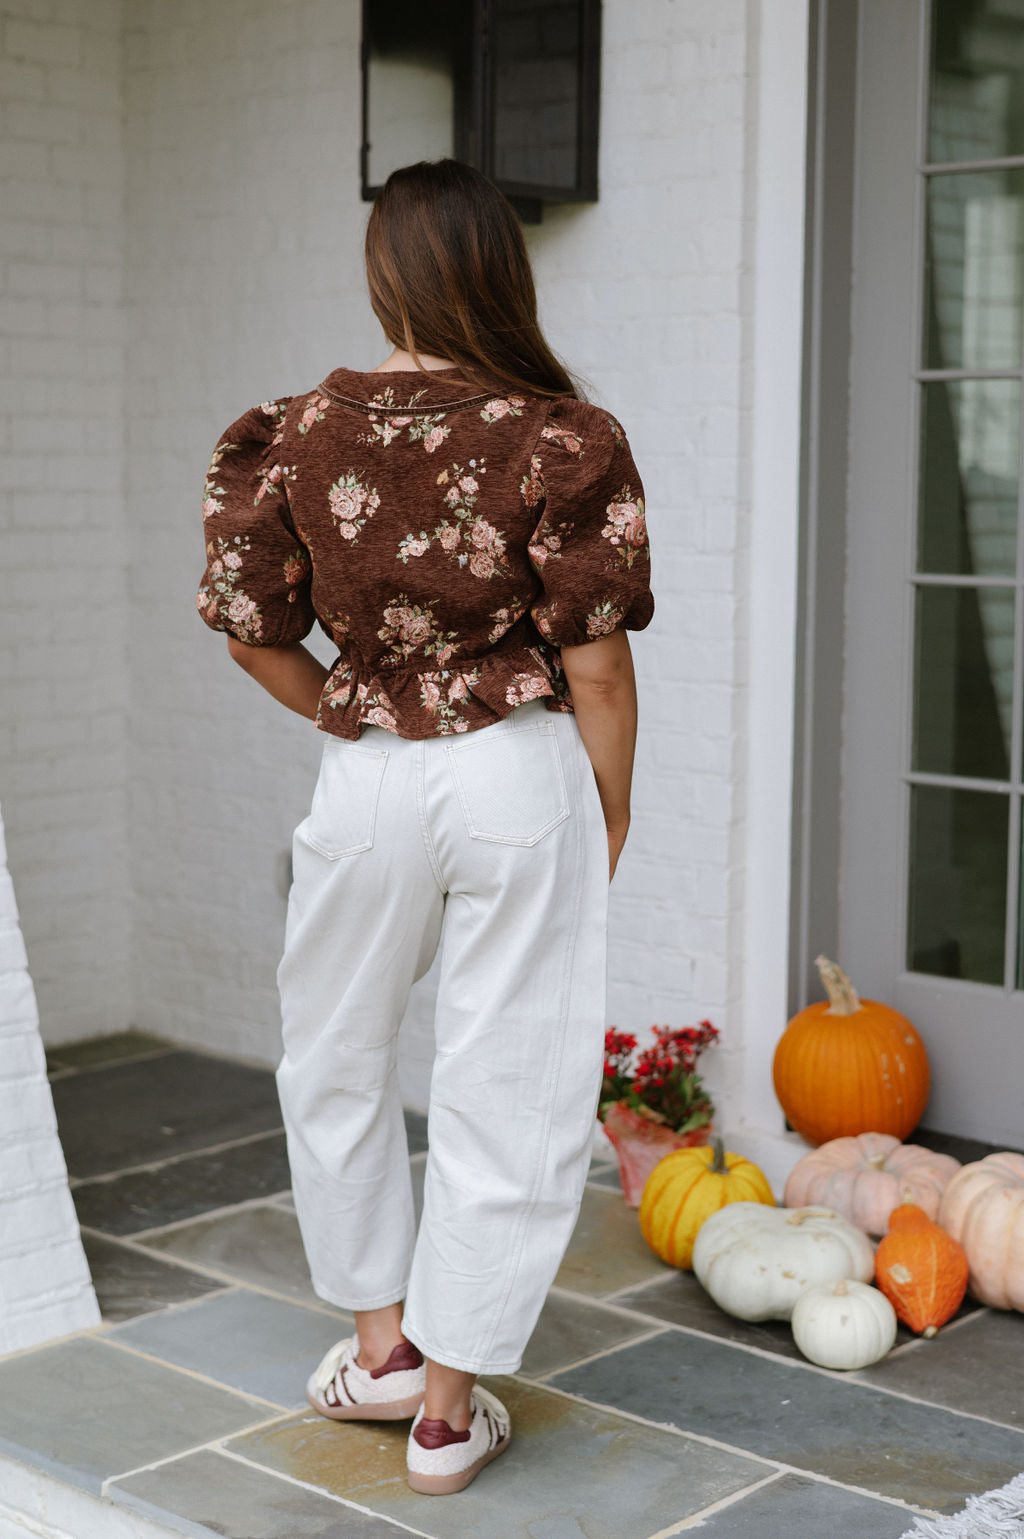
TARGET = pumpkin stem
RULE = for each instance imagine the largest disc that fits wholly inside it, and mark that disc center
(929, 1331)
(843, 998)
(718, 1167)
(841, 1290)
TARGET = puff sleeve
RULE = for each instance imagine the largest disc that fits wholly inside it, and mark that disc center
(590, 548)
(258, 575)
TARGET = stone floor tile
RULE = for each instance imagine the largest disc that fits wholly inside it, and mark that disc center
(570, 1470)
(976, 1367)
(124, 1114)
(96, 1050)
(129, 1282)
(252, 1343)
(207, 1492)
(418, 1172)
(415, 1131)
(185, 1188)
(260, 1245)
(607, 1250)
(83, 1410)
(607, 1176)
(573, 1328)
(806, 1509)
(822, 1423)
(679, 1299)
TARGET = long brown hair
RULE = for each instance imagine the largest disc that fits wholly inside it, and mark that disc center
(449, 274)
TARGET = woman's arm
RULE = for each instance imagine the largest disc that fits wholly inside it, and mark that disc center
(290, 673)
(602, 684)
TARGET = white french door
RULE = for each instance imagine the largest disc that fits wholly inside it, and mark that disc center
(930, 915)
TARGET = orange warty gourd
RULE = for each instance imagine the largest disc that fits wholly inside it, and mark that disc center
(921, 1270)
(850, 1066)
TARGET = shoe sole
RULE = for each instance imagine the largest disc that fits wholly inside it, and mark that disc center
(387, 1410)
(447, 1485)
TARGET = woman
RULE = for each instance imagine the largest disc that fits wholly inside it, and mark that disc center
(471, 535)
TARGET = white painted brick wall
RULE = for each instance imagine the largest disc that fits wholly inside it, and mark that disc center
(45, 1288)
(244, 281)
(241, 278)
(643, 293)
(63, 615)
(662, 254)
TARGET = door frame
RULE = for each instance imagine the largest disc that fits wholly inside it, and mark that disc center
(846, 672)
(824, 474)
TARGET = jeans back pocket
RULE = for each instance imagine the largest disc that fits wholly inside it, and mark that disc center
(511, 784)
(343, 813)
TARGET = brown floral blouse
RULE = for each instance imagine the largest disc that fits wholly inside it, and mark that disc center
(448, 541)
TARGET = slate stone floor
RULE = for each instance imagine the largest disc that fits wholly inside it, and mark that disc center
(640, 1409)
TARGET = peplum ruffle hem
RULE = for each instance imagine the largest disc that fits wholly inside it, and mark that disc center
(419, 701)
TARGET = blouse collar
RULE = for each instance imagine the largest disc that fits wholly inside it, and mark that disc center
(403, 389)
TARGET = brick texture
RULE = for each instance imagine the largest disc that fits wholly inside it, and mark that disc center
(63, 615)
(45, 1288)
(201, 251)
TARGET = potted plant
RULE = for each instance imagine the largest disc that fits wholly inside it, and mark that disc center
(653, 1099)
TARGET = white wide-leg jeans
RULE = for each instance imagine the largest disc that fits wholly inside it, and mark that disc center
(499, 833)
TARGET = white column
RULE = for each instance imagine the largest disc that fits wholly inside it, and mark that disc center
(779, 235)
(45, 1287)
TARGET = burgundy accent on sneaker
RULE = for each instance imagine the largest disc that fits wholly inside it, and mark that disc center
(437, 1434)
(339, 1388)
(404, 1357)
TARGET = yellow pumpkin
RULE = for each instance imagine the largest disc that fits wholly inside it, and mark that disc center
(685, 1188)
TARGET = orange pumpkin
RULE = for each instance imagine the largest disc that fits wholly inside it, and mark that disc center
(850, 1066)
(921, 1270)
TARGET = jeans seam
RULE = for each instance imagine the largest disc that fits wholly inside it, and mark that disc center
(421, 814)
(529, 1208)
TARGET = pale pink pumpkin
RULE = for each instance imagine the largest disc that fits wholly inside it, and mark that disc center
(983, 1208)
(866, 1177)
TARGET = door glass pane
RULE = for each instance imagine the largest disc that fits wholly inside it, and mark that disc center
(957, 909)
(974, 270)
(970, 443)
(536, 91)
(963, 682)
(976, 103)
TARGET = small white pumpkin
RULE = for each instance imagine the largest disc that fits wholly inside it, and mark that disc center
(847, 1324)
(755, 1261)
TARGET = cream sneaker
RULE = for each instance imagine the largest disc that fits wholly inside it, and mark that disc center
(339, 1388)
(441, 1461)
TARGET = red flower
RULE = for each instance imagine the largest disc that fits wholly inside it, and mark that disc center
(661, 1077)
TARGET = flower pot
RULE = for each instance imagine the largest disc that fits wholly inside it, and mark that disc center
(640, 1143)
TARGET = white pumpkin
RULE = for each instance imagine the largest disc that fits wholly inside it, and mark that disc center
(847, 1324)
(755, 1261)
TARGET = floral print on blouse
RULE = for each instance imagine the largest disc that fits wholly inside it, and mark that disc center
(449, 541)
